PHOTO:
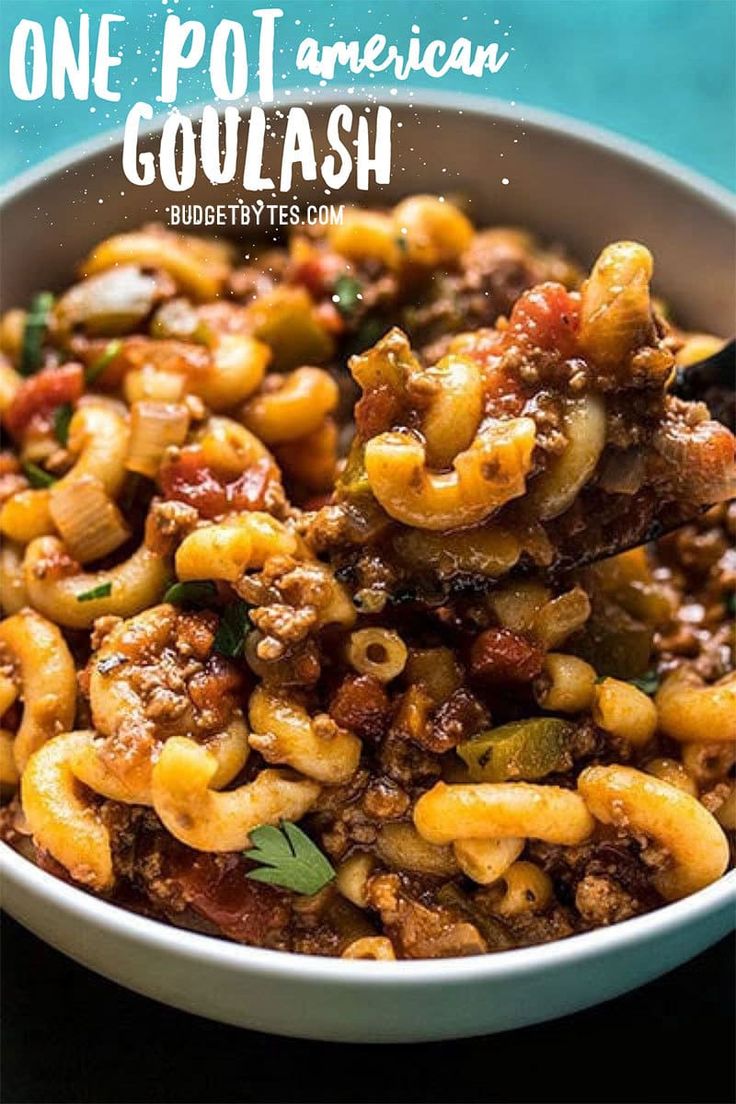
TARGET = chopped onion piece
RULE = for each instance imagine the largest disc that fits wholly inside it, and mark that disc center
(556, 488)
(154, 427)
(623, 472)
(89, 522)
(153, 384)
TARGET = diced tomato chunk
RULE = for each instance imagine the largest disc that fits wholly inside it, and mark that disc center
(213, 689)
(329, 317)
(503, 390)
(376, 411)
(547, 316)
(40, 395)
(242, 909)
(188, 479)
(217, 888)
(499, 655)
(9, 464)
(361, 704)
(318, 271)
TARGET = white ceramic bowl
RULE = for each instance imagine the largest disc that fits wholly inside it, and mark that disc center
(572, 184)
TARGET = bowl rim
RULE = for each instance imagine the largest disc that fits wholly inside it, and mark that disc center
(115, 919)
(537, 118)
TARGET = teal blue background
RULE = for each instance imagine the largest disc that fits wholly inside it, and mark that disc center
(661, 71)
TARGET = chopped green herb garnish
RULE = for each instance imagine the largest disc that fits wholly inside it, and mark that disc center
(349, 293)
(62, 417)
(648, 683)
(368, 334)
(97, 367)
(197, 594)
(401, 243)
(101, 591)
(34, 333)
(36, 476)
(731, 604)
(134, 481)
(289, 859)
(233, 629)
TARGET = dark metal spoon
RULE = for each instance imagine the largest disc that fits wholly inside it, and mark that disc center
(712, 381)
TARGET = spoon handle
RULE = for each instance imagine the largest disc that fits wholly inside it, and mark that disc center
(713, 382)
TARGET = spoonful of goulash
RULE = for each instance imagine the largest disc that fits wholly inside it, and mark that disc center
(572, 430)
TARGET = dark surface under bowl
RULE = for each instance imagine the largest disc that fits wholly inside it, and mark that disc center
(70, 1036)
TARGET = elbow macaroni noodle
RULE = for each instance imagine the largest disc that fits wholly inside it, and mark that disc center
(526, 889)
(9, 773)
(215, 624)
(616, 309)
(690, 711)
(692, 838)
(623, 710)
(13, 595)
(61, 821)
(207, 820)
(375, 947)
(454, 407)
(501, 810)
(567, 684)
(198, 267)
(91, 765)
(283, 732)
(131, 586)
(487, 860)
(99, 435)
(377, 652)
(47, 679)
(484, 476)
(295, 409)
(229, 548)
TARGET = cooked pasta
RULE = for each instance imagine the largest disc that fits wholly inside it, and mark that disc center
(377, 652)
(339, 685)
(526, 889)
(376, 947)
(625, 711)
(487, 860)
(695, 844)
(196, 814)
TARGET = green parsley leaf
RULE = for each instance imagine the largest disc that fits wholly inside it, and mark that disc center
(731, 604)
(62, 417)
(134, 483)
(233, 629)
(289, 859)
(648, 683)
(34, 333)
(368, 334)
(401, 243)
(36, 476)
(97, 367)
(197, 594)
(348, 291)
(101, 591)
